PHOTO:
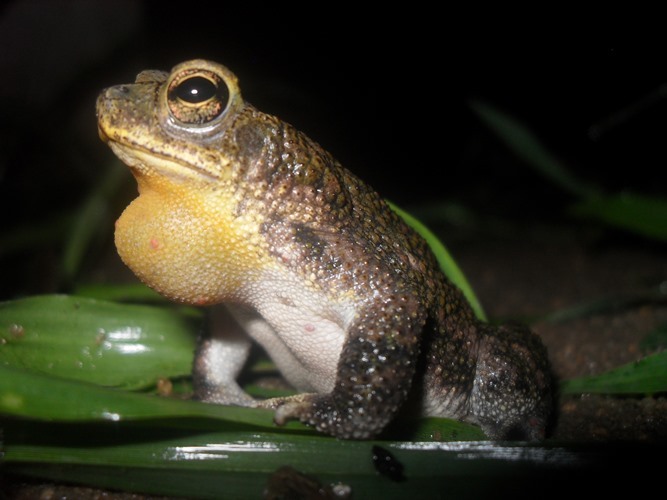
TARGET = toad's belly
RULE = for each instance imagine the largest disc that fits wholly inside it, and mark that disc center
(300, 327)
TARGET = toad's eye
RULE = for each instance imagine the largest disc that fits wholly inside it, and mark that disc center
(197, 98)
(195, 90)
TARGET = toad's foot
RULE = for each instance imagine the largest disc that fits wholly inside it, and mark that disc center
(321, 412)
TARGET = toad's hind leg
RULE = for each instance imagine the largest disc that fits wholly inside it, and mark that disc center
(375, 372)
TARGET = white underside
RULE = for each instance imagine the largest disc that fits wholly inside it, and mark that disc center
(300, 327)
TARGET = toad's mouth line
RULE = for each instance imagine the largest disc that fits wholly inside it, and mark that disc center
(145, 159)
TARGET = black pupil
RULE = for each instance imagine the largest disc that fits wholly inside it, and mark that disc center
(196, 89)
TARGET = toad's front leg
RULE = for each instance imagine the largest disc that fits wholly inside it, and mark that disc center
(375, 372)
(220, 357)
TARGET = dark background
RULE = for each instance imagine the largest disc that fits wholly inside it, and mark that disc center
(386, 90)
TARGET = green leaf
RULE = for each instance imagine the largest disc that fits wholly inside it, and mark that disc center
(33, 395)
(646, 376)
(205, 463)
(640, 214)
(447, 263)
(50, 367)
(109, 344)
(436, 429)
(36, 396)
(655, 339)
(130, 292)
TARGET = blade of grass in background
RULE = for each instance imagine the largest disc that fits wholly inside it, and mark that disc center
(89, 219)
(610, 304)
(523, 143)
(640, 214)
(644, 377)
(655, 339)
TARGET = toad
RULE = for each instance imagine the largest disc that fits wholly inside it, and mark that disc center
(239, 210)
